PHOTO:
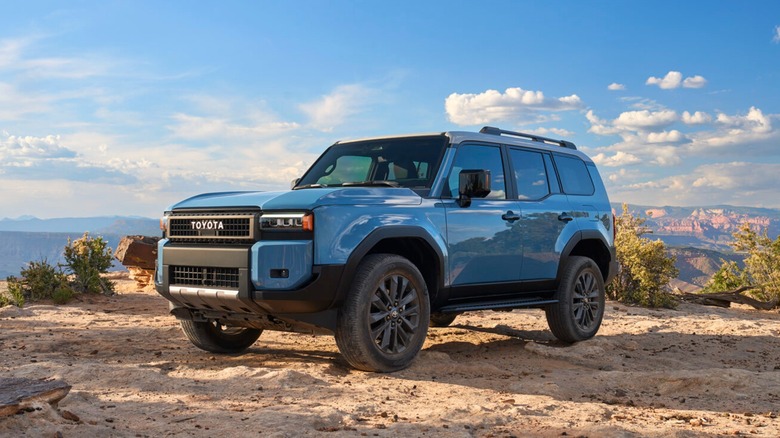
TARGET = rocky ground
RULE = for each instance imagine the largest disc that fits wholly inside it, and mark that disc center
(694, 371)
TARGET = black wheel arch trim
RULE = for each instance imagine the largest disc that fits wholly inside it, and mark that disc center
(576, 239)
(380, 234)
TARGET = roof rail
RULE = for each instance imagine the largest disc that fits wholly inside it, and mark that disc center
(497, 131)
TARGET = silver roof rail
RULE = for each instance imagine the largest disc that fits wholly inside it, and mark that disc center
(497, 131)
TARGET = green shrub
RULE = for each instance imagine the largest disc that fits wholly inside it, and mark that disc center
(62, 295)
(15, 291)
(646, 267)
(39, 281)
(14, 294)
(86, 258)
(762, 266)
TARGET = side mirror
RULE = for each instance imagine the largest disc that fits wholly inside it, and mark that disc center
(472, 183)
(294, 183)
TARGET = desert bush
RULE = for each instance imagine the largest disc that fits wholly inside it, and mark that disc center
(762, 265)
(646, 266)
(39, 281)
(86, 258)
(15, 293)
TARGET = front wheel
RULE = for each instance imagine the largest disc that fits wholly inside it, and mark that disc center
(217, 338)
(580, 308)
(383, 322)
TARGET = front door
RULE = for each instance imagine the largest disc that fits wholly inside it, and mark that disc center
(484, 239)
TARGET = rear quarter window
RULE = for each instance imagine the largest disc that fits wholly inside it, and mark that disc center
(574, 175)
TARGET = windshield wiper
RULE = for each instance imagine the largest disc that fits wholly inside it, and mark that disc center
(370, 183)
(310, 186)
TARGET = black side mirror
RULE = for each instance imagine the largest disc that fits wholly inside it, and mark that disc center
(472, 183)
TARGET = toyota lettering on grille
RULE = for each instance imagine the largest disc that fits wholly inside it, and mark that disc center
(207, 225)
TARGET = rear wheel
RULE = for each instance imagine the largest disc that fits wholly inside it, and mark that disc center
(580, 308)
(383, 323)
(217, 338)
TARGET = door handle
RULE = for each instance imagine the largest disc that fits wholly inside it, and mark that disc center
(565, 217)
(510, 216)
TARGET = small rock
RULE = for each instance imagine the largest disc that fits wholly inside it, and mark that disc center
(70, 416)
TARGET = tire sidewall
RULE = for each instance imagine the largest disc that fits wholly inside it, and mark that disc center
(561, 316)
(354, 329)
(207, 336)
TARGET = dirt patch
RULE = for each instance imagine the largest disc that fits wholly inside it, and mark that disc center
(695, 371)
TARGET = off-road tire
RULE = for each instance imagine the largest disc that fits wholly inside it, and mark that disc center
(216, 338)
(383, 322)
(442, 319)
(580, 308)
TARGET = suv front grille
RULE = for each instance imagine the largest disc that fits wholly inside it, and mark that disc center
(212, 227)
(205, 276)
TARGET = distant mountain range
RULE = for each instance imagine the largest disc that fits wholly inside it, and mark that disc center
(28, 238)
(698, 236)
(703, 227)
(95, 225)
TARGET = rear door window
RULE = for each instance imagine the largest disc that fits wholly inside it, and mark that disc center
(530, 174)
(575, 177)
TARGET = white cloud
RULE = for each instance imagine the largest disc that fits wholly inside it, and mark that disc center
(642, 103)
(751, 133)
(674, 79)
(551, 132)
(205, 127)
(625, 175)
(735, 183)
(335, 108)
(620, 158)
(673, 136)
(645, 120)
(694, 82)
(754, 121)
(665, 155)
(15, 105)
(697, 118)
(514, 105)
(68, 68)
(16, 148)
(670, 81)
(44, 158)
(10, 50)
(648, 136)
(600, 126)
(15, 56)
(776, 37)
(616, 87)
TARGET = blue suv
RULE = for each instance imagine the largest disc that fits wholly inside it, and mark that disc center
(383, 237)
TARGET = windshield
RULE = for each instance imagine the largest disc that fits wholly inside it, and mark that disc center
(399, 162)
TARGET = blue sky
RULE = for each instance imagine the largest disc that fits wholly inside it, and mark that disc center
(124, 107)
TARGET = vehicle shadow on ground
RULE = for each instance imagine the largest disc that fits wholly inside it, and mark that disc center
(727, 373)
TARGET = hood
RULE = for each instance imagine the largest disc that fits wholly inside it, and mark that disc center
(304, 199)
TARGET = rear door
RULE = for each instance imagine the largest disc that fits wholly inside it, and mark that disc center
(545, 224)
(578, 186)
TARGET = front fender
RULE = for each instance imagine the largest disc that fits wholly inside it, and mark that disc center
(340, 231)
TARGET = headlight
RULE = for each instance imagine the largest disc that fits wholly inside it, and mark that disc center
(287, 221)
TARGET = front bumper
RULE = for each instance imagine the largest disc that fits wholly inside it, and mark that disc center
(316, 292)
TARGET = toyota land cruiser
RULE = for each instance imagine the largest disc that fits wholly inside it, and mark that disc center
(383, 237)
